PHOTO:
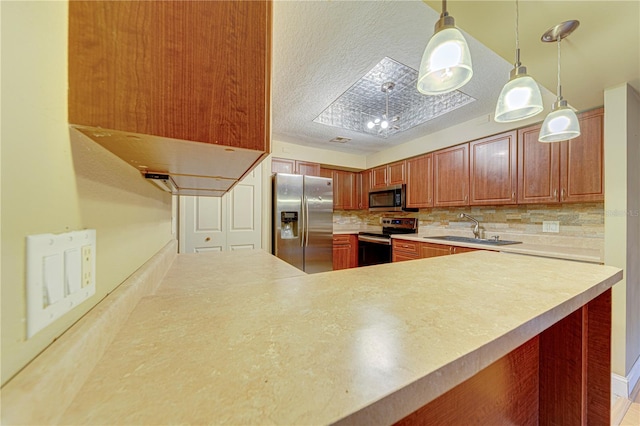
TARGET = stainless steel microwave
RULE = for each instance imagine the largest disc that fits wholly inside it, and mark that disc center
(390, 199)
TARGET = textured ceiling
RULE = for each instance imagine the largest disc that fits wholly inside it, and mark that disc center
(321, 48)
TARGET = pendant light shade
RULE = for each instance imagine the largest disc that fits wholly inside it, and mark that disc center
(446, 62)
(562, 123)
(520, 98)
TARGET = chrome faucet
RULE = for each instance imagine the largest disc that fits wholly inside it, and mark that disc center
(476, 229)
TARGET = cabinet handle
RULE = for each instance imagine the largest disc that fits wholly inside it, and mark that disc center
(555, 193)
(450, 249)
(513, 195)
(562, 194)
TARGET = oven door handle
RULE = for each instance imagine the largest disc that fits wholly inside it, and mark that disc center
(376, 240)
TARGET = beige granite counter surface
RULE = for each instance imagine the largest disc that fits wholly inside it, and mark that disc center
(223, 342)
(579, 253)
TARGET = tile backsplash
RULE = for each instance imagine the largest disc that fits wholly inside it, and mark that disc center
(576, 220)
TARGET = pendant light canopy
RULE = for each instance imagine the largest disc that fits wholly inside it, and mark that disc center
(520, 98)
(562, 123)
(446, 62)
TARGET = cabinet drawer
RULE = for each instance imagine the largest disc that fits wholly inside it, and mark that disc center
(341, 239)
(407, 247)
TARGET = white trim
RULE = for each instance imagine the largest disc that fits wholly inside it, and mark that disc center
(623, 386)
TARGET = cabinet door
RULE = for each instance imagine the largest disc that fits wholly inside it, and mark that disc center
(194, 71)
(341, 256)
(379, 177)
(493, 176)
(396, 173)
(420, 181)
(353, 251)
(451, 176)
(582, 161)
(283, 165)
(364, 184)
(538, 168)
(402, 256)
(345, 187)
(328, 173)
(458, 250)
(307, 168)
(433, 250)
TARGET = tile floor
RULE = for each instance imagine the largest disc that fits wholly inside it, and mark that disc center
(632, 417)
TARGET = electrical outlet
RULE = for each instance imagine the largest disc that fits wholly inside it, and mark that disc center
(550, 226)
(87, 265)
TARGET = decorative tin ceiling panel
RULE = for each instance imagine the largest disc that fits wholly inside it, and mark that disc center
(365, 101)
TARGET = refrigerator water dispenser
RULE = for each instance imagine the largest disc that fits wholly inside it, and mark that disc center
(288, 225)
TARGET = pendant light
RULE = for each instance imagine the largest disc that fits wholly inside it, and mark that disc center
(520, 98)
(446, 62)
(562, 123)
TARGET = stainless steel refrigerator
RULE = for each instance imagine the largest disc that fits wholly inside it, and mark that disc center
(303, 221)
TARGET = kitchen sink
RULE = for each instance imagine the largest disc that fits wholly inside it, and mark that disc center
(490, 242)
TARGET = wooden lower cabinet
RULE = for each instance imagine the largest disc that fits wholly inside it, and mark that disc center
(410, 250)
(345, 251)
(405, 250)
(561, 376)
(434, 250)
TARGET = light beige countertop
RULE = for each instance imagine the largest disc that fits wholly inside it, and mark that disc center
(551, 247)
(242, 338)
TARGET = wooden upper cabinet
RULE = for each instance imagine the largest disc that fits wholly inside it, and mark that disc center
(420, 181)
(345, 190)
(451, 176)
(538, 168)
(389, 174)
(493, 176)
(178, 87)
(285, 165)
(582, 161)
(364, 184)
(307, 168)
(328, 173)
(379, 177)
(569, 171)
(396, 173)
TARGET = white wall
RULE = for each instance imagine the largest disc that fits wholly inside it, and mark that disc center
(622, 228)
(56, 180)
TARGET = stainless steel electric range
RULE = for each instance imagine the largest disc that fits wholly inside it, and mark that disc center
(375, 247)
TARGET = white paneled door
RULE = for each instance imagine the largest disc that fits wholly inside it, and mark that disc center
(230, 222)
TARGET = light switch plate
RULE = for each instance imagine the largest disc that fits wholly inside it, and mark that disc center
(55, 279)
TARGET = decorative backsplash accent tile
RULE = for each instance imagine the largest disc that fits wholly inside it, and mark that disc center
(579, 220)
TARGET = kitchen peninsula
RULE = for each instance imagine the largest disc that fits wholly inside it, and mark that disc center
(243, 338)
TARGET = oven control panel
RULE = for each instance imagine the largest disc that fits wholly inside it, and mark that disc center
(407, 223)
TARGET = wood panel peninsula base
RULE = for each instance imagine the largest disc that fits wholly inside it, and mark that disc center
(244, 338)
(562, 376)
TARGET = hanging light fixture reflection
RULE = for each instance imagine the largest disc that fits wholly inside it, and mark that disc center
(446, 62)
(562, 123)
(520, 98)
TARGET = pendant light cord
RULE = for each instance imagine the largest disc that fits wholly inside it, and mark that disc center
(559, 86)
(517, 64)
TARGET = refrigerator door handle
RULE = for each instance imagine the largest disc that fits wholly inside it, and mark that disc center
(303, 220)
(306, 224)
